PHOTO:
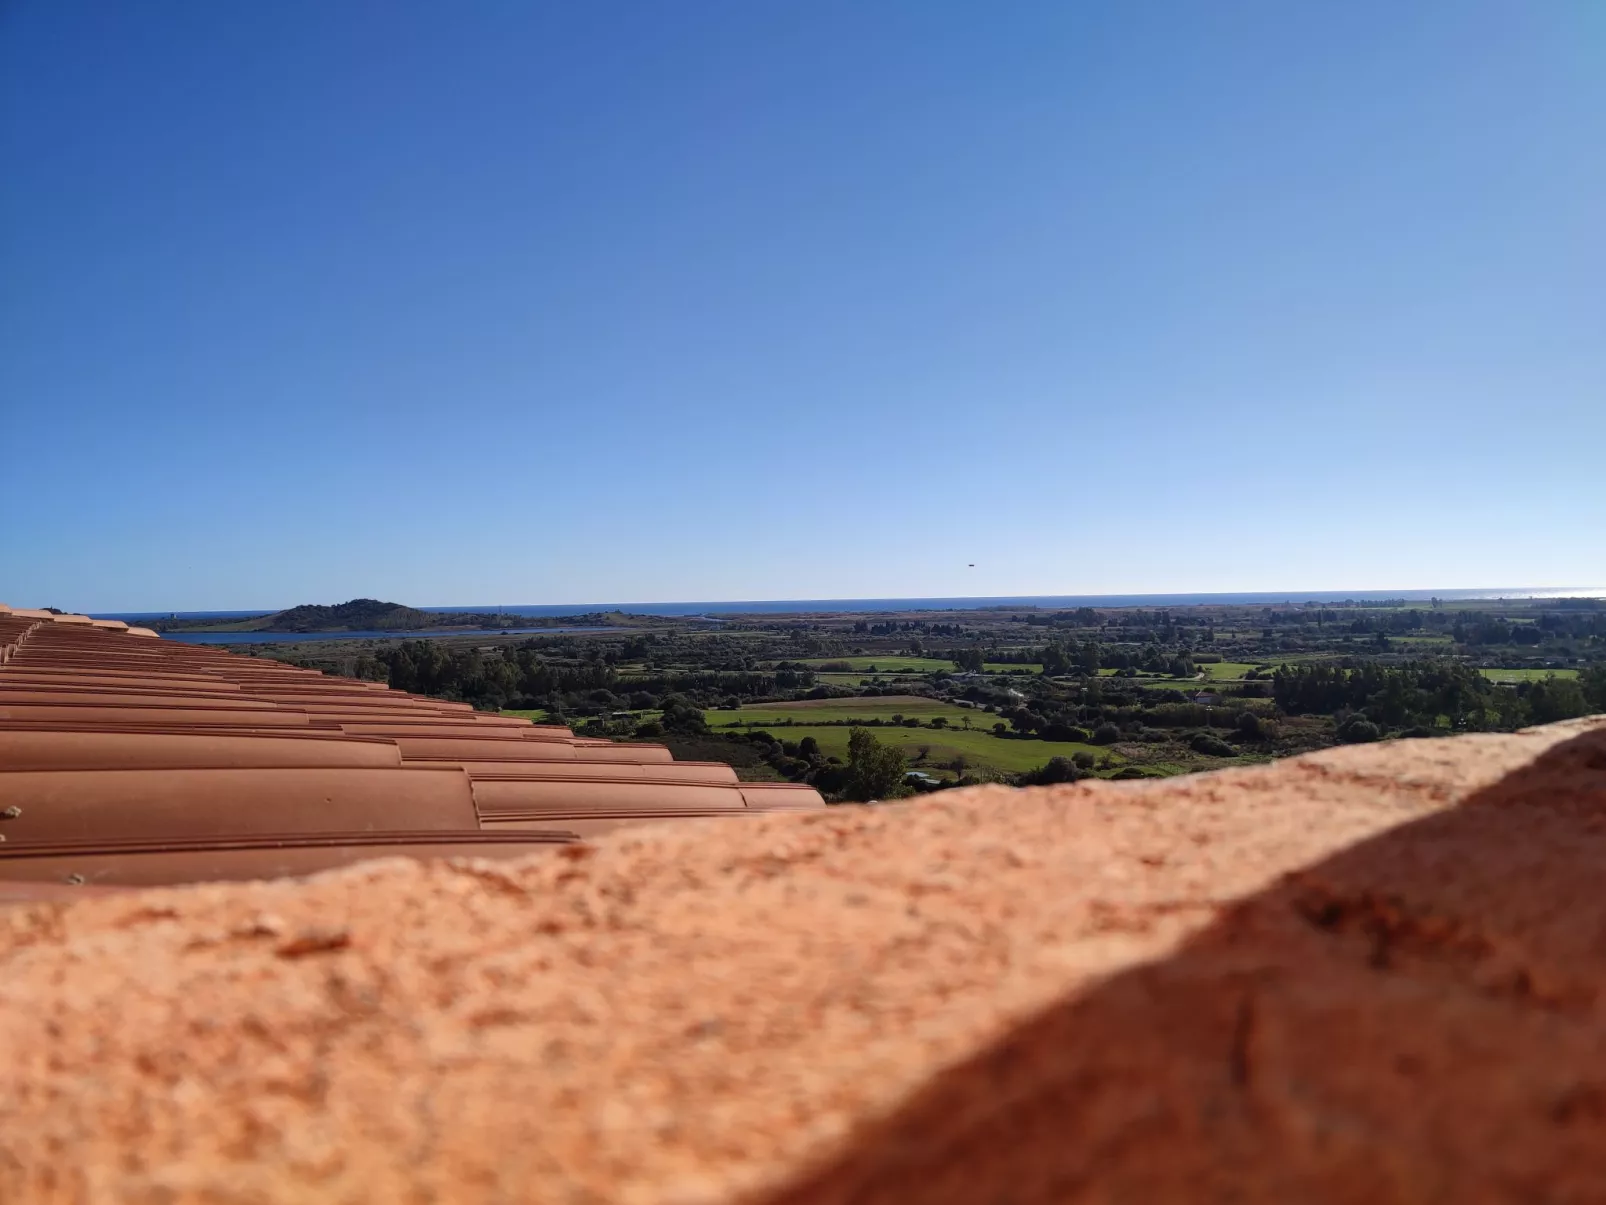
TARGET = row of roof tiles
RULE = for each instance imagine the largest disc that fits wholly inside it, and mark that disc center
(130, 760)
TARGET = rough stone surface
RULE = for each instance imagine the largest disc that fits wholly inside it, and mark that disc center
(1369, 975)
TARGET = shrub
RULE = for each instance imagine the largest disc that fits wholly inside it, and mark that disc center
(1214, 746)
(1357, 730)
(1106, 734)
(1065, 732)
(1082, 760)
(1056, 769)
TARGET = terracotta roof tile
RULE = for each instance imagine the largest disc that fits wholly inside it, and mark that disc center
(143, 761)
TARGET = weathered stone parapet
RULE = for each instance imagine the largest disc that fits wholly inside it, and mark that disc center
(1373, 974)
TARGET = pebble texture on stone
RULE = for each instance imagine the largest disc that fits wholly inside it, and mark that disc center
(1372, 974)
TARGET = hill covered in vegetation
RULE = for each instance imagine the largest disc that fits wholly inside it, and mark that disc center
(360, 614)
(374, 615)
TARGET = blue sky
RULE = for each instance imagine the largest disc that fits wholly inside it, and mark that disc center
(593, 302)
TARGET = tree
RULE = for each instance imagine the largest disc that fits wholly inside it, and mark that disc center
(1556, 698)
(875, 771)
(1056, 769)
(680, 716)
(1358, 730)
(1088, 659)
(1055, 660)
(1593, 683)
(968, 661)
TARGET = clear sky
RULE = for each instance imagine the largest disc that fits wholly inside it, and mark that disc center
(585, 302)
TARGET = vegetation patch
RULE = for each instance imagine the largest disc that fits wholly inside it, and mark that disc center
(1526, 675)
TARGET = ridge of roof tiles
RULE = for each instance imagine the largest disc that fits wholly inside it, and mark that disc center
(127, 760)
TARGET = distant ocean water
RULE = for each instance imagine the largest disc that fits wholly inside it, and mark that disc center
(1050, 602)
(1047, 602)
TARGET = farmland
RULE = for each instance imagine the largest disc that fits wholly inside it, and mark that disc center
(839, 711)
(1151, 690)
(906, 723)
(889, 663)
(981, 750)
(1526, 675)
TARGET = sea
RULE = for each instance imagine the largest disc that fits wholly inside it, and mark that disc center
(716, 612)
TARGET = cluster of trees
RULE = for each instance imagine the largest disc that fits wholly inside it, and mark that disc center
(894, 627)
(1371, 699)
(1082, 617)
(531, 674)
(1085, 657)
(873, 770)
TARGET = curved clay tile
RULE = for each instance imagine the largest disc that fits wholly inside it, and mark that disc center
(77, 713)
(426, 728)
(142, 682)
(621, 751)
(120, 696)
(771, 796)
(529, 795)
(710, 773)
(67, 805)
(599, 824)
(473, 748)
(565, 768)
(23, 750)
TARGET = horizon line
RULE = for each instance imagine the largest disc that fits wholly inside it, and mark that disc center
(1460, 593)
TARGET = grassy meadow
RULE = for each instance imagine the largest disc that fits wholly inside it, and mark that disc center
(1526, 675)
(980, 748)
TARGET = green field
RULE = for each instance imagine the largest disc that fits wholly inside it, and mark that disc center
(978, 745)
(821, 711)
(890, 661)
(1225, 671)
(1526, 675)
(981, 749)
